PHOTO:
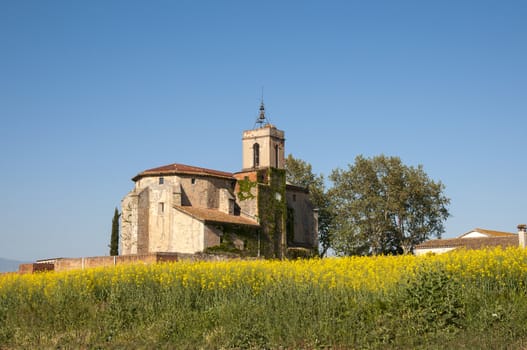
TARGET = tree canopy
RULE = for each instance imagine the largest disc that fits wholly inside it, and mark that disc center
(300, 173)
(382, 206)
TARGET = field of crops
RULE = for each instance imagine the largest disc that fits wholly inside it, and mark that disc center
(468, 299)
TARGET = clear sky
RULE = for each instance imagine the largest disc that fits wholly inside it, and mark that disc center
(94, 92)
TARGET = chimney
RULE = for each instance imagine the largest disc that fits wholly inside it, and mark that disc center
(522, 235)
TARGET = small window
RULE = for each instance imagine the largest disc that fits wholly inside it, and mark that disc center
(193, 181)
(161, 180)
(161, 207)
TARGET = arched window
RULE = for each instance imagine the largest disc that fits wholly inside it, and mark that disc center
(256, 155)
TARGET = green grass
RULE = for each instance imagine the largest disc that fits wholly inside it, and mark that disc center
(434, 309)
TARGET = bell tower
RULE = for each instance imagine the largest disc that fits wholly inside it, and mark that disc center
(263, 146)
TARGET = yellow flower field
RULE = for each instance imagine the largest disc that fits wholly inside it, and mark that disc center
(354, 273)
(349, 302)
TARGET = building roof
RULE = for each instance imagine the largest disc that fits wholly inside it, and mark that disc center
(216, 216)
(176, 169)
(489, 233)
(471, 243)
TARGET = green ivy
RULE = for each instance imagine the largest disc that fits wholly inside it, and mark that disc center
(249, 236)
(273, 211)
(276, 221)
(245, 187)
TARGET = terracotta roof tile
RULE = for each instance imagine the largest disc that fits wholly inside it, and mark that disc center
(213, 215)
(471, 243)
(183, 169)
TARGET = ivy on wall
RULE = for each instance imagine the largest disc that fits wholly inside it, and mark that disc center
(272, 210)
(231, 233)
(277, 221)
(245, 189)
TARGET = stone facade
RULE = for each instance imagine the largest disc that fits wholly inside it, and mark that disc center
(68, 264)
(302, 217)
(150, 220)
(179, 208)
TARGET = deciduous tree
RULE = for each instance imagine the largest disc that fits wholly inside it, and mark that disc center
(382, 206)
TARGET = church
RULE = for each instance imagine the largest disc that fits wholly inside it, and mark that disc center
(178, 208)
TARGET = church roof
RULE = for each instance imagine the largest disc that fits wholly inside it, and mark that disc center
(176, 168)
(214, 215)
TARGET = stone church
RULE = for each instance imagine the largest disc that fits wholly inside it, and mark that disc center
(179, 208)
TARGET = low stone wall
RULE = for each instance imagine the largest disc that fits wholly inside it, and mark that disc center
(67, 264)
(35, 267)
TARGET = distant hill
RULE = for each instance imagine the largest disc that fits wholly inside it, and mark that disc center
(7, 265)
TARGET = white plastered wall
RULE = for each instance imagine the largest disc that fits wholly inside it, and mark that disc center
(432, 250)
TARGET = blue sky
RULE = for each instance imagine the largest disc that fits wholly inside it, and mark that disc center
(93, 92)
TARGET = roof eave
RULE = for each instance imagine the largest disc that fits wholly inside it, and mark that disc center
(168, 173)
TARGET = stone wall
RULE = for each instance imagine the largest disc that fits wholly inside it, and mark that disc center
(246, 191)
(149, 222)
(272, 213)
(304, 219)
(212, 236)
(188, 236)
(68, 264)
(227, 200)
(143, 213)
(129, 214)
(35, 267)
(204, 191)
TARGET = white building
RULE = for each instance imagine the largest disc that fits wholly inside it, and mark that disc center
(474, 239)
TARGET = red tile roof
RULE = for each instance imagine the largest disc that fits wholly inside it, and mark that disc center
(214, 215)
(471, 243)
(174, 169)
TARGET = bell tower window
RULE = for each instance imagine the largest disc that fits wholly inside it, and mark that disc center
(256, 155)
(263, 146)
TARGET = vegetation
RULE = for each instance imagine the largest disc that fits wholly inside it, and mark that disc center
(465, 299)
(382, 206)
(114, 239)
(272, 209)
(238, 241)
(245, 191)
(376, 206)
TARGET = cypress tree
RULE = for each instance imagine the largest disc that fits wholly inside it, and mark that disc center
(114, 240)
